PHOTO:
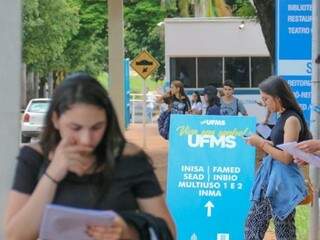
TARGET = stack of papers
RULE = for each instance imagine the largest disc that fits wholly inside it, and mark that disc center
(292, 149)
(61, 222)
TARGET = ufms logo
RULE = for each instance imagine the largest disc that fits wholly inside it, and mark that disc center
(214, 122)
(199, 141)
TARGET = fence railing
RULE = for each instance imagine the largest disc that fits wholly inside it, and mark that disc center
(136, 107)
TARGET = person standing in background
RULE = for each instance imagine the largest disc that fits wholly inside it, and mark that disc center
(231, 105)
(150, 105)
(177, 100)
(196, 103)
(178, 103)
(184, 77)
(212, 100)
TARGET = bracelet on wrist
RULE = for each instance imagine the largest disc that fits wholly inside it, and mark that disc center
(51, 178)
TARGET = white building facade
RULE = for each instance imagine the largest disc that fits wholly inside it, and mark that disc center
(202, 51)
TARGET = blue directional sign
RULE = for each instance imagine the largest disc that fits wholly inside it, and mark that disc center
(210, 175)
(293, 48)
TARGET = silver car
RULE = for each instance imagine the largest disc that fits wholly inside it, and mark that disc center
(33, 118)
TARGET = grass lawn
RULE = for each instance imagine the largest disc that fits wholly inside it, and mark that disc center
(136, 83)
(103, 79)
(302, 222)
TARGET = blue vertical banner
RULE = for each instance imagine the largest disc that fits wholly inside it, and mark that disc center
(210, 175)
(294, 48)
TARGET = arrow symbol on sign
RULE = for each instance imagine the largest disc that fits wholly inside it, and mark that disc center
(194, 237)
(209, 206)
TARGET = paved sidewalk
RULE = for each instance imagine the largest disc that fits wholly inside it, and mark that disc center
(157, 148)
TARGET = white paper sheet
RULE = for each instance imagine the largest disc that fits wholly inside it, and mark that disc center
(263, 130)
(295, 151)
(61, 222)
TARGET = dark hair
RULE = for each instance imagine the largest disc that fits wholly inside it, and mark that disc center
(212, 92)
(198, 96)
(229, 83)
(212, 84)
(82, 88)
(276, 86)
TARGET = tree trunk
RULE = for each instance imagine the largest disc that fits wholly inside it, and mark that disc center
(183, 6)
(42, 87)
(30, 76)
(200, 8)
(23, 93)
(36, 85)
(50, 84)
(266, 15)
(222, 9)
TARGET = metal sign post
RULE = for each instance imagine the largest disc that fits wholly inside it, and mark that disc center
(144, 64)
(144, 144)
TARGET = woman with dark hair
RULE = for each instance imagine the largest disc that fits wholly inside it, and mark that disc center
(279, 185)
(196, 103)
(212, 100)
(83, 161)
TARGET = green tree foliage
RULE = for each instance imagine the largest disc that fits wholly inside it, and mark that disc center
(48, 26)
(142, 30)
(87, 51)
(212, 8)
(243, 8)
(71, 35)
(65, 35)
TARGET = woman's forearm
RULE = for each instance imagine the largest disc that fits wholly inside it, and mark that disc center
(25, 224)
(277, 154)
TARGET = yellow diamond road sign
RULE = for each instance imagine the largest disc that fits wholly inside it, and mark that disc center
(144, 64)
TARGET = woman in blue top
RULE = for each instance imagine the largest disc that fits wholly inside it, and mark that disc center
(279, 185)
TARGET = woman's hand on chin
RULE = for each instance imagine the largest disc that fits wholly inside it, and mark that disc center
(70, 156)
